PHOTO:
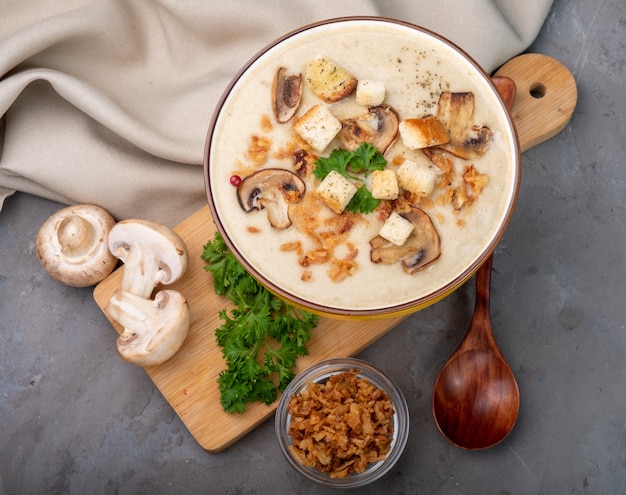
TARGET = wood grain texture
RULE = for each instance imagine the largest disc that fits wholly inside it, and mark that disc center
(545, 99)
(188, 381)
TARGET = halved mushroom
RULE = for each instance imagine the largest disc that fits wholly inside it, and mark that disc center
(379, 126)
(420, 249)
(286, 95)
(72, 245)
(456, 112)
(154, 330)
(152, 254)
(272, 189)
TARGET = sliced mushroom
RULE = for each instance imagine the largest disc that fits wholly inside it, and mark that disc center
(456, 112)
(420, 249)
(152, 254)
(154, 330)
(272, 189)
(379, 126)
(286, 95)
(72, 245)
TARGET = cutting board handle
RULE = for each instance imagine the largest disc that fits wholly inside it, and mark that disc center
(545, 98)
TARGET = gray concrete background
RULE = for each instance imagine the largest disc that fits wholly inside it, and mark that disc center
(76, 419)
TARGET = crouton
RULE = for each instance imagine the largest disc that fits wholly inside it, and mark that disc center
(336, 191)
(396, 229)
(417, 178)
(318, 127)
(328, 80)
(370, 93)
(384, 184)
(423, 133)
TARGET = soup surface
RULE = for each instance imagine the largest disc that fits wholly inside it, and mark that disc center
(415, 68)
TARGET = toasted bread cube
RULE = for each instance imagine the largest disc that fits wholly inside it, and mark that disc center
(423, 133)
(328, 80)
(385, 184)
(318, 127)
(417, 178)
(370, 93)
(396, 229)
(336, 191)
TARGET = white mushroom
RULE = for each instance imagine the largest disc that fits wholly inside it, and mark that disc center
(154, 330)
(152, 255)
(72, 245)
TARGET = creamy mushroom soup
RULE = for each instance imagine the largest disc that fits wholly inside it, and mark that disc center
(415, 68)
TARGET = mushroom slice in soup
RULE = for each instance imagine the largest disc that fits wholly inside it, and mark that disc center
(286, 95)
(420, 249)
(271, 189)
(456, 112)
(379, 126)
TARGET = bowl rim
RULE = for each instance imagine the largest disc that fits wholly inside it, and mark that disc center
(406, 307)
(320, 371)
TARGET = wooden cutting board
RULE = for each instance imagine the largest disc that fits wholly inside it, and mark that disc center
(189, 380)
(545, 100)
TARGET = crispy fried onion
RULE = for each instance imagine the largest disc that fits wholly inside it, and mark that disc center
(326, 235)
(458, 189)
(258, 149)
(342, 425)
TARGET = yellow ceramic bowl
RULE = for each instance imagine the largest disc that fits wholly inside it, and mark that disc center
(415, 67)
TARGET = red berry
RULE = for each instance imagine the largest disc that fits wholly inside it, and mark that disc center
(235, 180)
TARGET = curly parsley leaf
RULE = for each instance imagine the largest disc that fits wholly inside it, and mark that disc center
(261, 338)
(338, 160)
(364, 160)
(362, 201)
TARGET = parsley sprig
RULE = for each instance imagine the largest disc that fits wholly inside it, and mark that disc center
(261, 338)
(364, 160)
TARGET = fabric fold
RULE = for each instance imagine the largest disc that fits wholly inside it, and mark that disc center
(109, 101)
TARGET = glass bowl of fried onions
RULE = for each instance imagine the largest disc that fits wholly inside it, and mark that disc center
(342, 423)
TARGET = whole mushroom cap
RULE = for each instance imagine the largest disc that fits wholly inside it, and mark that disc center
(72, 245)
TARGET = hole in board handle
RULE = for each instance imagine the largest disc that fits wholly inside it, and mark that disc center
(538, 90)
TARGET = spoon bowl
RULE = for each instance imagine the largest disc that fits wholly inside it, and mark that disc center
(476, 398)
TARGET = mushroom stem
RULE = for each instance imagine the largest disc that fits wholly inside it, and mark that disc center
(135, 313)
(141, 272)
(153, 329)
(77, 236)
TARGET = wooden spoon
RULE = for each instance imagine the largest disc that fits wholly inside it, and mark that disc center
(476, 398)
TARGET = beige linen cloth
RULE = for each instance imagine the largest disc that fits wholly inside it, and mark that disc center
(108, 101)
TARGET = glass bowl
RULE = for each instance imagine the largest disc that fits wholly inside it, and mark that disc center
(320, 373)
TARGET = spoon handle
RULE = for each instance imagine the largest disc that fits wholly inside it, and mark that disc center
(480, 333)
(483, 285)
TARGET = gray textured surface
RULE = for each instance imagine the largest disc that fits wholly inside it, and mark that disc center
(76, 419)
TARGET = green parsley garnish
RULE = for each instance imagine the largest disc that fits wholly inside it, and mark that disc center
(261, 338)
(364, 160)
(362, 201)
